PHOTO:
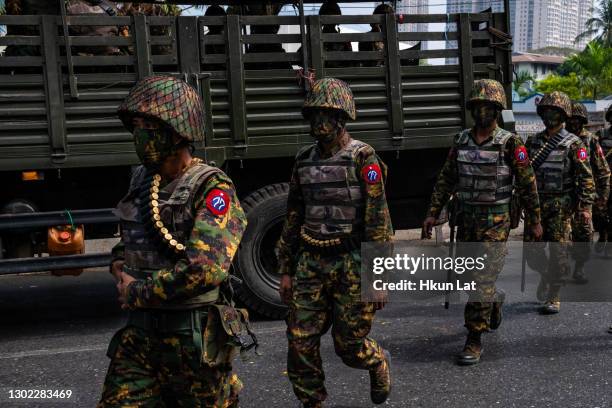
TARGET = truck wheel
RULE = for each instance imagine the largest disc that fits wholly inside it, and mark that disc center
(256, 262)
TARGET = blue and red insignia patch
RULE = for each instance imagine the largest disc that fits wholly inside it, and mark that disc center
(371, 173)
(582, 154)
(217, 201)
(521, 156)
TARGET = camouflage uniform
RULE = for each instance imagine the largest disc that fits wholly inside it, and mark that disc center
(581, 229)
(565, 185)
(158, 358)
(483, 212)
(602, 217)
(339, 197)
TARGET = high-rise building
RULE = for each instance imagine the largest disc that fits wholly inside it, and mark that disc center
(462, 6)
(548, 23)
(412, 7)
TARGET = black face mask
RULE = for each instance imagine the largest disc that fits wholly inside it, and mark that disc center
(574, 126)
(484, 115)
(552, 118)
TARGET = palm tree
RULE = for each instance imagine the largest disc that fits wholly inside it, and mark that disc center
(593, 67)
(522, 82)
(599, 26)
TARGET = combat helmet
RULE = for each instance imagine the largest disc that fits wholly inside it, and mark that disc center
(168, 99)
(487, 90)
(330, 93)
(558, 100)
(580, 111)
(609, 114)
(330, 8)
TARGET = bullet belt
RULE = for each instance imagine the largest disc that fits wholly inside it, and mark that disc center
(332, 246)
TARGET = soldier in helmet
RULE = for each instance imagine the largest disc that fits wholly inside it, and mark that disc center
(336, 201)
(181, 224)
(483, 185)
(581, 229)
(604, 218)
(565, 187)
(376, 45)
(331, 8)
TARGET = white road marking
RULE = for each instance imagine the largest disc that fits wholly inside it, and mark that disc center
(51, 352)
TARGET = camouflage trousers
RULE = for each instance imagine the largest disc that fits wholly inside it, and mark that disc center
(154, 370)
(326, 293)
(601, 221)
(557, 214)
(581, 232)
(492, 229)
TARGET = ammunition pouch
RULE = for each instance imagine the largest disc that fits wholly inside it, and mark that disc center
(227, 333)
(516, 211)
(332, 246)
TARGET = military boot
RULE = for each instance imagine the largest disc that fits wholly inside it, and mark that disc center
(552, 305)
(579, 276)
(497, 310)
(380, 380)
(313, 404)
(472, 350)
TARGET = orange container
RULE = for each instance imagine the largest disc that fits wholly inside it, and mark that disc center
(66, 240)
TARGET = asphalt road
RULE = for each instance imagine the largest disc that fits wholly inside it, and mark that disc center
(54, 333)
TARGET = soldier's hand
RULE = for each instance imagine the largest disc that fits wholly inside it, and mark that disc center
(116, 269)
(537, 231)
(428, 225)
(123, 288)
(285, 290)
(585, 216)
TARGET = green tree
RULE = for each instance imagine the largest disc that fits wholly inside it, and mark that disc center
(522, 83)
(593, 67)
(599, 26)
(569, 84)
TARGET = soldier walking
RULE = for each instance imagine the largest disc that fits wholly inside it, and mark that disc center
(181, 224)
(581, 229)
(603, 217)
(565, 187)
(479, 170)
(336, 201)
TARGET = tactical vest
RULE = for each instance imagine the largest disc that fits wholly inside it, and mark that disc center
(485, 177)
(176, 200)
(554, 175)
(587, 139)
(332, 192)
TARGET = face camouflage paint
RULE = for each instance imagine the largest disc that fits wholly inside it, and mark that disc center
(484, 115)
(153, 146)
(551, 118)
(325, 125)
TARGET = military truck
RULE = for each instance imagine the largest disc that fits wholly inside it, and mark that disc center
(65, 158)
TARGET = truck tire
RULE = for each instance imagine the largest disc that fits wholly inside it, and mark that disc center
(256, 262)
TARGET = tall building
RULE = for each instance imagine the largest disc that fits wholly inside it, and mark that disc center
(462, 6)
(412, 7)
(548, 23)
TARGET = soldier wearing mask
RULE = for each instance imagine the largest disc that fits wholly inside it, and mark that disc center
(181, 224)
(581, 228)
(331, 8)
(566, 190)
(336, 201)
(480, 169)
(376, 45)
(603, 218)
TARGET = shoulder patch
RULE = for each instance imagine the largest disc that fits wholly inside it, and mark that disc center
(521, 156)
(218, 201)
(582, 154)
(371, 173)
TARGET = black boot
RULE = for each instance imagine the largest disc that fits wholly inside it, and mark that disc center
(313, 404)
(497, 310)
(380, 380)
(472, 350)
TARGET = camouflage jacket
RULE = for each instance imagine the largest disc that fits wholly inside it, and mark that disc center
(584, 186)
(377, 219)
(213, 241)
(524, 179)
(599, 165)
